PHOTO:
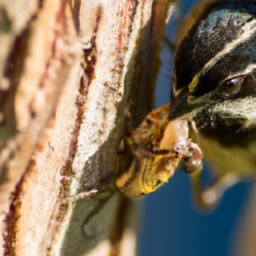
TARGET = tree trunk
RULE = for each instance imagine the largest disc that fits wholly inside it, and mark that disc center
(68, 72)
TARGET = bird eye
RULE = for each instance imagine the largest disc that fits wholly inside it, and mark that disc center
(231, 86)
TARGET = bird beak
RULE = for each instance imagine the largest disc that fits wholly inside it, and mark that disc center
(184, 103)
(179, 104)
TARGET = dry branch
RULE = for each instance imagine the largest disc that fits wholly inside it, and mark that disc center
(68, 71)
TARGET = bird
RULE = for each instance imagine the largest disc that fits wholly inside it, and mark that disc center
(214, 83)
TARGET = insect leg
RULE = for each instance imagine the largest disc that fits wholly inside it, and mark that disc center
(209, 197)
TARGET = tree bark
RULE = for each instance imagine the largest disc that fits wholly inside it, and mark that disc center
(68, 72)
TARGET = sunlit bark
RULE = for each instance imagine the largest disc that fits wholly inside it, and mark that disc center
(68, 72)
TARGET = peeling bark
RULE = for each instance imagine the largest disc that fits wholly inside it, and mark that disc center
(68, 71)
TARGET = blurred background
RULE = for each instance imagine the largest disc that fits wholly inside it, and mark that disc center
(170, 224)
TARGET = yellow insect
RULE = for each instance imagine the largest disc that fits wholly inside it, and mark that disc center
(158, 147)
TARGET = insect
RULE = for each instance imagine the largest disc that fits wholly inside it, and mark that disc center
(159, 146)
(214, 87)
